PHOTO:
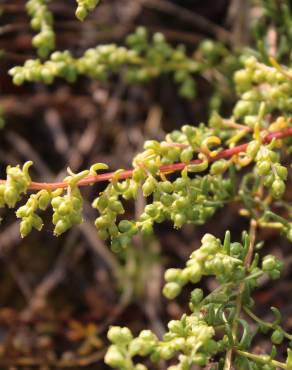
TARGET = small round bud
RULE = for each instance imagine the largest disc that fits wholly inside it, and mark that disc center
(253, 148)
(119, 335)
(81, 13)
(196, 296)
(166, 186)
(61, 227)
(171, 290)
(149, 186)
(219, 167)
(278, 188)
(277, 336)
(25, 227)
(114, 357)
(44, 199)
(186, 155)
(263, 167)
(172, 274)
(269, 263)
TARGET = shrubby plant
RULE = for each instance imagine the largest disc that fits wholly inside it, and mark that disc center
(186, 178)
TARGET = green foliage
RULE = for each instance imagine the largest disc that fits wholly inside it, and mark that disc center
(192, 197)
(42, 21)
(16, 184)
(144, 61)
(185, 179)
(206, 331)
(274, 15)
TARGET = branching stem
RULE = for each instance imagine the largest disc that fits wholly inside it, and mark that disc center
(247, 262)
(261, 360)
(227, 153)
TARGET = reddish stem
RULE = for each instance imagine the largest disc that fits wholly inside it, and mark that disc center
(227, 153)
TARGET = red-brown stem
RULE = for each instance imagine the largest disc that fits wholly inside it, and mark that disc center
(227, 153)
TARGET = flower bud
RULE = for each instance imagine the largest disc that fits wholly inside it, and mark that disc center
(172, 274)
(282, 171)
(61, 227)
(138, 175)
(166, 186)
(278, 188)
(56, 202)
(119, 335)
(166, 200)
(269, 263)
(103, 234)
(219, 167)
(25, 227)
(44, 199)
(197, 296)
(37, 222)
(253, 148)
(10, 196)
(179, 220)
(165, 352)
(114, 357)
(64, 208)
(149, 186)
(263, 167)
(176, 326)
(81, 13)
(193, 272)
(186, 155)
(277, 336)
(171, 290)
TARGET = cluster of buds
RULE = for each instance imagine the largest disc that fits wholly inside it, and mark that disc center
(144, 61)
(68, 208)
(190, 336)
(212, 258)
(268, 167)
(85, 6)
(27, 212)
(67, 211)
(272, 266)
(185, 200)
(42, 21)
(61, 64)
(16, 184)
(160, 56)
(258, 82)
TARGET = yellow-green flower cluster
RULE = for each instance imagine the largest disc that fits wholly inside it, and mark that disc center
(85, 6)
(142, 59)
(268, 167)
(194, 339)
(69, 207)
(212, 258)
(17, 182)
(272, 266)
(67, 210)
(61, 64)
(257, 83)
(27, 212)
(42, 21)
(190, 336)
(185, 200)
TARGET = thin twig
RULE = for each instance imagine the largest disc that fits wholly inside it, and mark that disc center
(247, 262)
